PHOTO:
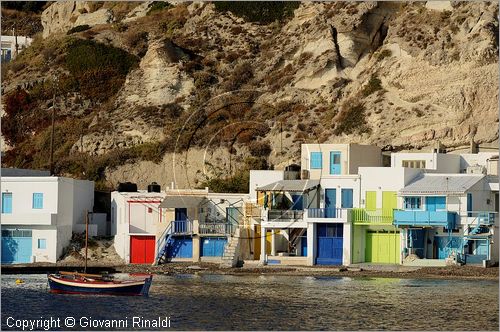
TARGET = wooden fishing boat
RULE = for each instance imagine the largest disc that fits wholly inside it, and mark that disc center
(83, 283)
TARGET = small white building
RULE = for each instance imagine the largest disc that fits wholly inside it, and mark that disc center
(39, 213)
(9, 49)
(182, 224)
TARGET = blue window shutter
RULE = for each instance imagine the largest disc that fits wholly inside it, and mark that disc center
(37, 201)
(316, 160)
(6, 202)
(346, 195)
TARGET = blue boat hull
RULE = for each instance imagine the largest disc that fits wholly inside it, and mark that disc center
(136, 289)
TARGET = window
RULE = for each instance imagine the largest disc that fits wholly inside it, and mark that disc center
(150, 210)
(6, 202)
(37, 201)
(316, 160)
(414, 163)
(42, 244)
(412, 203)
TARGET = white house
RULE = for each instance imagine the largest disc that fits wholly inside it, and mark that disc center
(134, 219)
(9, 49)
(39, 212)
(176, 224)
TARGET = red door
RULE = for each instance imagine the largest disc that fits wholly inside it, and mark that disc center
(142, 249)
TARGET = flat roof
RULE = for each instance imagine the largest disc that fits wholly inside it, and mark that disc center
(182, 201)
(290, 185)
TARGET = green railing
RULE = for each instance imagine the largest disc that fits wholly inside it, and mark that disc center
(379, 216)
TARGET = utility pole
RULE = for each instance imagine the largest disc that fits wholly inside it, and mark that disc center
(51, 167)
(281, 137)
(86, 238)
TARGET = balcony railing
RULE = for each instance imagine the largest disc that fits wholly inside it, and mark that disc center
(425, 218)
(223, 228)
(182, 227)
(379, 216)
(284, 215)
(336, 213)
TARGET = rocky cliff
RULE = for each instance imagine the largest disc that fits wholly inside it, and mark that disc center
(212, 91)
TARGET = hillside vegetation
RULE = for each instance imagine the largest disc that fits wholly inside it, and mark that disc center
(199, 93)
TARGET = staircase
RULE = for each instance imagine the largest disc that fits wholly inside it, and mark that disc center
(162, 245)
(232, 250)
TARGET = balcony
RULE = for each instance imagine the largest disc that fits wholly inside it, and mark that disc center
(180, 227)
(216, 228)
(327, 214)
(283, 219)
(425, 218)
(373, 217)
(31, 219)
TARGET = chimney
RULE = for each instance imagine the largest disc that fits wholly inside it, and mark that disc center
(473, 145)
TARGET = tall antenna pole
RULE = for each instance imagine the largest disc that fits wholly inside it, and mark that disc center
(52, 133)
(281, 137)
(86, 238)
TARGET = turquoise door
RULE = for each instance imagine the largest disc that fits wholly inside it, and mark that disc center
(16, 246)
(435, 203)
(335, 162)
(213, 246)
(330, 202)
(346, 196)
(6, 202)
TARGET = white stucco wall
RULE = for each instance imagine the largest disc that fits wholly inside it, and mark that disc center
(343, 182)
(59, 206)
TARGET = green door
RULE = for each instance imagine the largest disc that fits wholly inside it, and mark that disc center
(382, 247)
(371, 200)
(389, 202)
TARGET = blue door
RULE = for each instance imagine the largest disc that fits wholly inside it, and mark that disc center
(334, 162)
(213, 246)
(297, 202)
(180, 247)
(445, 245)
(346, 196)
(180, 214)
(416, 241)
(435, 203)
(303, 246)
(330, 244)
(469, 205)
(6, 202)
(16, 246)
(481, 248)
(330, 202)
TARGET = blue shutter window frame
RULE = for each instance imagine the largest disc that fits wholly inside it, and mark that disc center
(412, 203)
(316, 160)
(6, 202)
(37, 201)
(42, 244)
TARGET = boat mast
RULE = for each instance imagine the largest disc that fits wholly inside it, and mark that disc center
(86, 238)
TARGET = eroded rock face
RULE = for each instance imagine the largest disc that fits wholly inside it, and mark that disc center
(64, 15)
(159, 79)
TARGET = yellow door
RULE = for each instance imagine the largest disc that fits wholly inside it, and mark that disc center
(256, 242)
